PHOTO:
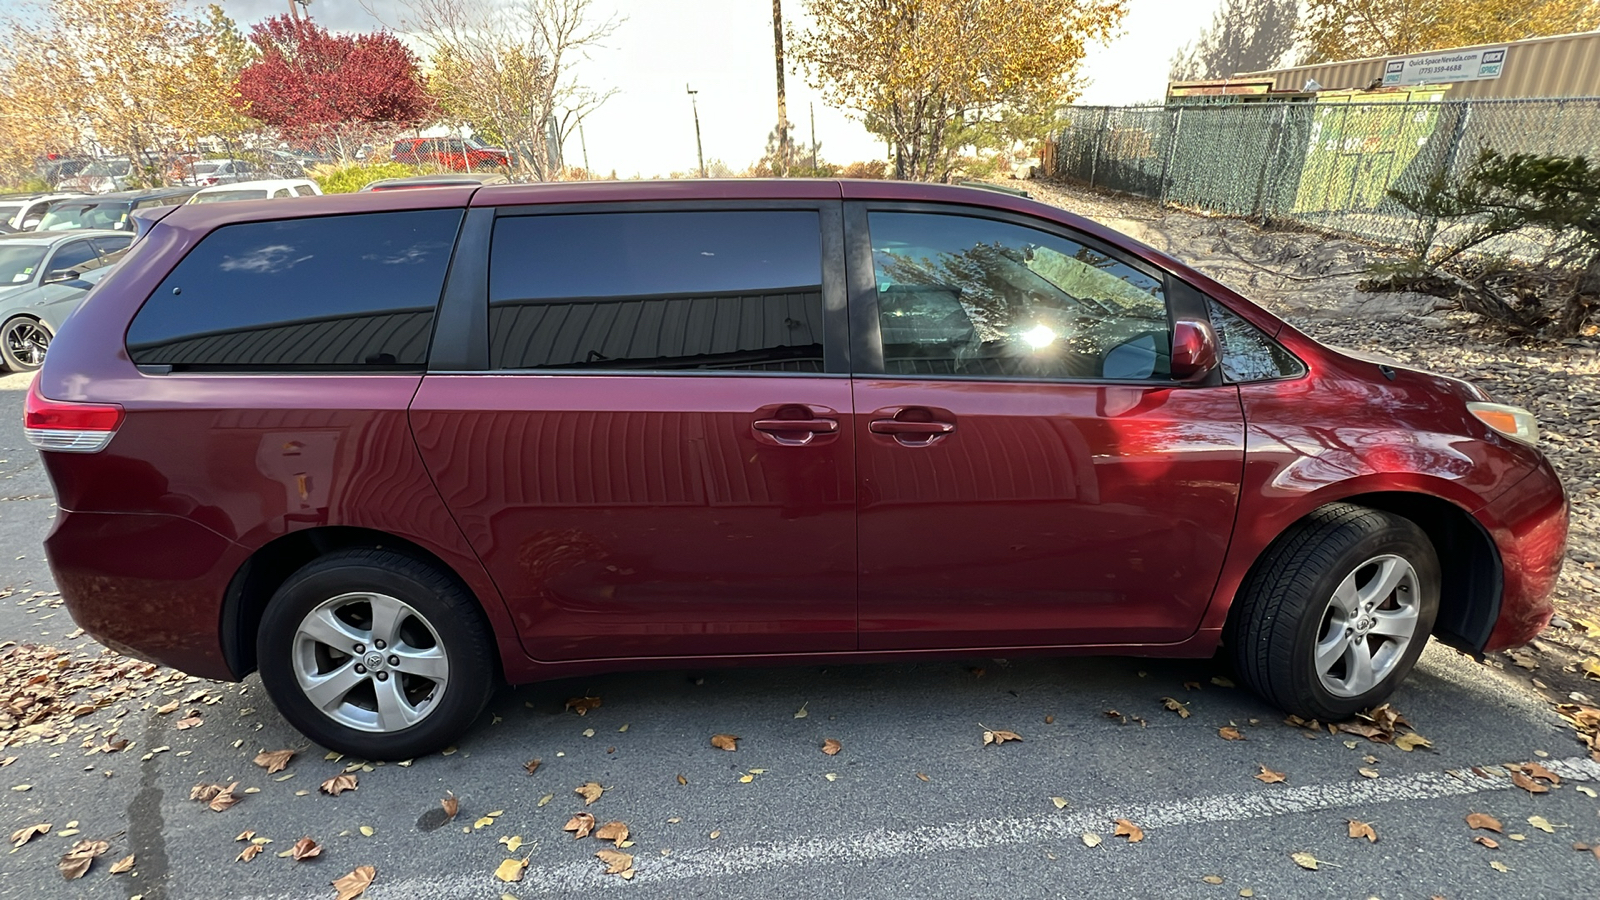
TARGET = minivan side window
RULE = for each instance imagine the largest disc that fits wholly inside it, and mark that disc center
(739, 290)
(972, 297)
(340, 292)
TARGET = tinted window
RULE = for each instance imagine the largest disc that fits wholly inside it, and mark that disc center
(75, 255)
(304, 191)
(1247, 354)
(328, 292)
(671, 290)
(976, 297)
(82, 214)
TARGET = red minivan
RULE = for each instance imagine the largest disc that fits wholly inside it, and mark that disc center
(390, 449)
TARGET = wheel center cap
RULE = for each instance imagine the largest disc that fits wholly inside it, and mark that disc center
(374, 660)
(1363, 625)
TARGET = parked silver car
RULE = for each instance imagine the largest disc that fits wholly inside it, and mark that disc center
(43, 278)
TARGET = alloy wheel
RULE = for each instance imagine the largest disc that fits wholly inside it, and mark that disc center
(1369, 622)
(27, 341)
(370, 661)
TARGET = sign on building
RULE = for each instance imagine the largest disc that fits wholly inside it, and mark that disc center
(1440, 68)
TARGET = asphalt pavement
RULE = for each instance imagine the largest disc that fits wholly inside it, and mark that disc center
(914, 805)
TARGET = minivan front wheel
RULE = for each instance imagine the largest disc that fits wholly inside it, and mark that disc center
(376, 654)
(1337, 612)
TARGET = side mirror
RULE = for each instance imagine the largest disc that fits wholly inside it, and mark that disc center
(31, 224)
(1194, 350)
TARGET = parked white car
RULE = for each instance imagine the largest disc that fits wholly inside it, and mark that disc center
(24, 211)
(257, 190)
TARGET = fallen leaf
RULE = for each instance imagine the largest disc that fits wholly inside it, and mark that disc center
(1049, 720)
(580, 825)
(451, 805)
(831, 776)
(273, 761)
(23, 835)
(367, 831)
(1092, 840)
(1220, 681)
(22, 787)
(589, 791)
(546, 799)
(1229, 733)
(1359, 829)
(746, 779)
(582, 705)
(1368, 773)
(1586, 791)
(1127, 829)
(1211, 879)
(1175, 706)
(337, 785)
(1305, 860)
(224, 798)
(1060, 802)
(923, 777)
(1267, 776)
(1499, 866)
(204, 792)
(355, 884)
(729, 742)
(802, 713)
(1541, 823)
(831, 747)
(1411, 741)
(512, 842)
(483, 822)
(248, 853)
(998, 736)
(1484, 821)
(1535, 770)
(1487, 841)
(166, 708)
(615, 832)
(532, 765)
(1528, 784)
(77, 861)
(305, 848)
(511, 870)
(1591, 666)
(715, 835)
(617, 862)
(122, 865)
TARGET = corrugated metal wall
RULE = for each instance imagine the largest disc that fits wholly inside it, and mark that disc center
(1563, 66)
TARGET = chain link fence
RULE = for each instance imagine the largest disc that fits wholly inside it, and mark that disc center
(1327, 165)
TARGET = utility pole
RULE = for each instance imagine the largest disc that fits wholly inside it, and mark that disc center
(813, 107)
(785, 153)
(585, 145)
(698, 149)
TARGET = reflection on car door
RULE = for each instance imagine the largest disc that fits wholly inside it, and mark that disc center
(1029, 475)
(656, 458)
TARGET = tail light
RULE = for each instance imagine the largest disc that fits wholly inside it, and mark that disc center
(69, 427)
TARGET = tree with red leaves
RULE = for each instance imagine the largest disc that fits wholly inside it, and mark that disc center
(307, 81)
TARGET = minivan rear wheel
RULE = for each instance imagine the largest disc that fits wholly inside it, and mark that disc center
(1337, 612)
(376, 654)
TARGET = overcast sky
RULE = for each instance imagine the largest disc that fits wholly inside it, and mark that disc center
(723, 49)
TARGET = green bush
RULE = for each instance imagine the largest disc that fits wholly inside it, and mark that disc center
(348, 179)
(27, 186)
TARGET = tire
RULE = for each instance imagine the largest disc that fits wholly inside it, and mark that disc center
(415, 694)
(23, 342)
(1345, 584)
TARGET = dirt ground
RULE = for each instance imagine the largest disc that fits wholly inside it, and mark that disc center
(1310, 280)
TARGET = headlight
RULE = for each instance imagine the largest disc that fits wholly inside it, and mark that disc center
(1512, 421)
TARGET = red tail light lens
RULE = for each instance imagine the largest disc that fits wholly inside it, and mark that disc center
(69, 427)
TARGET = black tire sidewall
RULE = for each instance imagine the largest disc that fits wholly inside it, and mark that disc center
(461, 633)
(1399, 538)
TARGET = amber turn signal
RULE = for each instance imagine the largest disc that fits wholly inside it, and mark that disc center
(1511, 421)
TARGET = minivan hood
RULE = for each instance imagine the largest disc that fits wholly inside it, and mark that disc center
(1465, 389)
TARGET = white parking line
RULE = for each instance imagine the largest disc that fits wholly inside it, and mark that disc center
(735, 859)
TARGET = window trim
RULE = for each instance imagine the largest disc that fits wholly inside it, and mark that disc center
(1183, 301)
(461, 344)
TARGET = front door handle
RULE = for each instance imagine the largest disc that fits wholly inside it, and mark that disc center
(912, 426)
(795, 432)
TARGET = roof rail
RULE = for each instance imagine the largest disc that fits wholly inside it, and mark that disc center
(984, 185)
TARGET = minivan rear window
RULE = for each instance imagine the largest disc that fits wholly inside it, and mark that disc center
(735, 290)
(356, 292)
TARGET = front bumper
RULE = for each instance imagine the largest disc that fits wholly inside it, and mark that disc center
(1529, 525)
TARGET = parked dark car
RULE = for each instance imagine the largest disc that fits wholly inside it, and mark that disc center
(43, 277)
(449, 153)
(109, 210)
(389, 448)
